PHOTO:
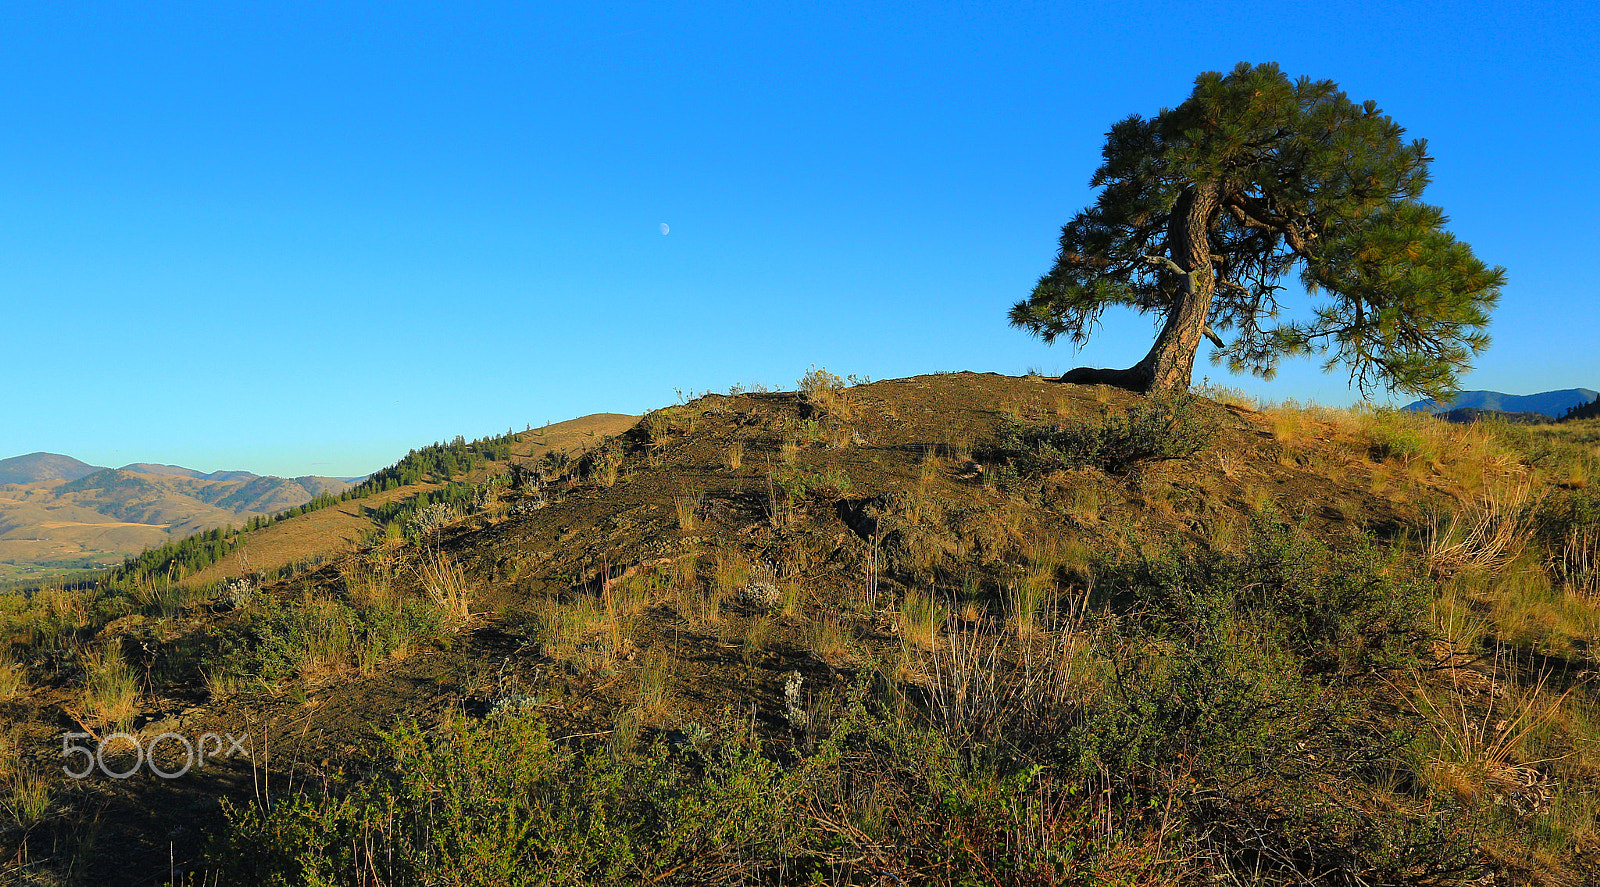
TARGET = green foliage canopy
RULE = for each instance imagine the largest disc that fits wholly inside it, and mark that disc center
(1216, 201)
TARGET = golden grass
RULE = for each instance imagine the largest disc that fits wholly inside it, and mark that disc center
(1085, 502)
(1485, 753)
(830, 641)
(1228, 396)
(446, 587)
(682, 572)
(1519, 605)
(1289, 422)
(1578, 562)
(653, 684)
(111, 688)
(371, 585)
(928, 467)
(219, 683)
(731, 572)
(757, 634)
(25, 797)
(13, 676)
(957, 446)
(701, 605)
(329, 640)
(1027, 603)
(1257, 497)
(792, 599)
(687, 506)
(921, 618)
(736, 455)
(1483, 533)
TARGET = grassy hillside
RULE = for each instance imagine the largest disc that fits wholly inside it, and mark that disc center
(49, 527)
(71, 531)
(961, 628)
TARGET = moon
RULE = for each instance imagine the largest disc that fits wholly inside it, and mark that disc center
(665, 229)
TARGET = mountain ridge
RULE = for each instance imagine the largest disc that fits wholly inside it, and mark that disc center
(1553, 404)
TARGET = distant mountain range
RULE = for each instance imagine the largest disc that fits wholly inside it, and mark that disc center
(1552, 404)
(58, 511)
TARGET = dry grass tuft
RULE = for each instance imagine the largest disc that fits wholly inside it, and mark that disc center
(687, 505)
(1485, 533)
(25, 797)
(446, 586)
(13, 676)
(921, 619)
(830, 641)
(111, 689)
(653, 683)
(1027, 604)
(1479, 752)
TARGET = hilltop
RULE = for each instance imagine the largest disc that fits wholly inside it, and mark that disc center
(36, 467)
(960, 626)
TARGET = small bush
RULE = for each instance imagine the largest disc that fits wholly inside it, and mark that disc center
(1568, 524)
(1336, 610)
(794, 485)
(824, 393)
(1162, 426)
(501, 803)
(284, 641)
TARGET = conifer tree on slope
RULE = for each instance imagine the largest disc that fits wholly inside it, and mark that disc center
(1205, 209)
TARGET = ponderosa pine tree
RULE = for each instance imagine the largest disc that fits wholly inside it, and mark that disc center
(1206, 208)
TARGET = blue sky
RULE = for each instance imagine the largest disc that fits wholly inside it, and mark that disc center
(304, 238)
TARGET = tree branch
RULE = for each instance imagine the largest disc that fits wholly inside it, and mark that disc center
(1253, 213)
(1167, 263)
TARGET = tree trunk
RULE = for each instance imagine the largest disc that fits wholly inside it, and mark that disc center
(1169, 366)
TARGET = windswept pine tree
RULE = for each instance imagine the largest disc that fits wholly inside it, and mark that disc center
(1205, 209)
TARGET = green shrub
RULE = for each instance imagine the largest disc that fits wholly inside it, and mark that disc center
(1233, 683)
(795, 485)
(282, 640)
(1399, 436)
(957, 812)
(500, 803)
(1161, 426)
(1334, 610)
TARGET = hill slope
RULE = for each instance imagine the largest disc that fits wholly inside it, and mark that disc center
(333, 530)
(107, 514)
(952, 628)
